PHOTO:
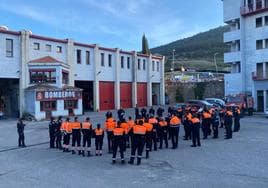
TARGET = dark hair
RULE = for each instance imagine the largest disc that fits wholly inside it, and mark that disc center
(140, 122)
(87, 118)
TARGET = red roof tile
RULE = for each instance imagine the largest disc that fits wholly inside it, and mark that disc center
(46, 59)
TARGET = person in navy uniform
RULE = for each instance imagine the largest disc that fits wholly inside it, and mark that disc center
(20, 130)
(52, 132)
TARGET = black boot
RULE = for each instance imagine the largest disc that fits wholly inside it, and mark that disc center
(122, 161)
(83, 153)
(131, 161)
(139, 161)
(88, 154)
(73, 152)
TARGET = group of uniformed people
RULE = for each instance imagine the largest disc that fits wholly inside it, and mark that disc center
(147, 130)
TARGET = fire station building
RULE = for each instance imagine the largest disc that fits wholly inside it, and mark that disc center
(50, 77)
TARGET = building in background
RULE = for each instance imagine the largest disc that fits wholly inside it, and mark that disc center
(247, 41)
(50, 77)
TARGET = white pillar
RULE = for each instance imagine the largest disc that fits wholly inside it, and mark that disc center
(162, 81)
(134, 79)
(70, 61)
(24, 73)
(117, 79)
(96, 64)
(149, 81)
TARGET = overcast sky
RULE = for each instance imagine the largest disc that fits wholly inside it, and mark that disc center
(114, 23)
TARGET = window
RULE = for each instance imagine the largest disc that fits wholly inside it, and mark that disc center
(266, 20)
(78, 56)
(102, 59)
(122, 62)
(259, 70)
(43, 76)
(259, 44)
(65, 77)
(258, 4)
(87, 57)
(59, 49)
(153, 65)
(157, 66)
(110, 60)
(139, 64)
(9, 48)
(48, 105)
(259, 22)
(266, 43)
(48, 47)
(144, 65)
(36, 46)
(70, 104)
(128, 62)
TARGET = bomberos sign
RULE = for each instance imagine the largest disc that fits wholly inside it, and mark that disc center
(61, 94)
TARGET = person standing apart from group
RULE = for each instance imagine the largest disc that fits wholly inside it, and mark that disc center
(20, 130)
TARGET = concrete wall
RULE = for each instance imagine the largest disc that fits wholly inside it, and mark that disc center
(231, 9)
(125, 73)
(84, 72)
(9, 66)
(212, 89)
(35, 54)
(142, 74)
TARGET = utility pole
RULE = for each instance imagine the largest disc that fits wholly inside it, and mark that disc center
(173, 64)
(215, 62)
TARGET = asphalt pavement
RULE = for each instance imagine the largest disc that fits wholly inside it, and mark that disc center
(239, 162)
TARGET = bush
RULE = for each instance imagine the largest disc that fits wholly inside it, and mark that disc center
(179, 96)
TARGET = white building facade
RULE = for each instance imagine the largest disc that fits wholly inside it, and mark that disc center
(247, 41)
(52, 77)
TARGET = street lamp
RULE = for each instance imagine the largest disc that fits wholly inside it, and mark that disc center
(215, 62)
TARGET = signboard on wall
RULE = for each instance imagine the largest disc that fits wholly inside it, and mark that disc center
(59, 94)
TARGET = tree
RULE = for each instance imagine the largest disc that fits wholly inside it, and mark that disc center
(145, 45)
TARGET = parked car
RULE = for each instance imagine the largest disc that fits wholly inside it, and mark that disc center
(215, 100)
(201, 103)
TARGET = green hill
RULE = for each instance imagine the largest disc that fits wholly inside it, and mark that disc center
(198, 48)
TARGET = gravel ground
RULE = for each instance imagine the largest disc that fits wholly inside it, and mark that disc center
(240, 162)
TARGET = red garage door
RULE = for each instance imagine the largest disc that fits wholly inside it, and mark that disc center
(106, 90)
(142, 94)
(126, 95)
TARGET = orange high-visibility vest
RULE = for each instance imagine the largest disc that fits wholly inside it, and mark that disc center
(139, 129)
(68, 127)
(153, 120)
(149, 127)
(189, 116)
(99, 132)
(86, 125)
(130, 123)
(110, 124)
(175, 121)
(206, 115)
(195, 120)
(125, 126)
(63, 126)
(118, 131)
(76, 125)
(163, 123)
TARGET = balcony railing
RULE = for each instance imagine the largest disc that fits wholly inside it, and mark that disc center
(259, 77)
(250, 9)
